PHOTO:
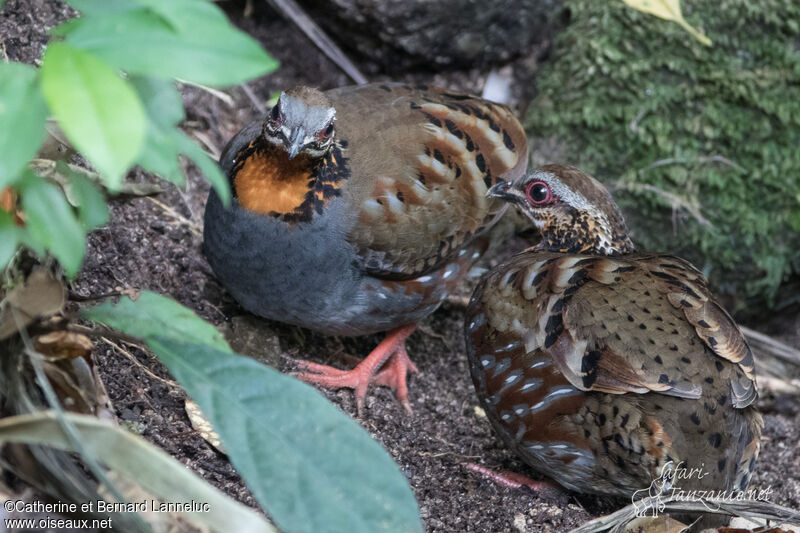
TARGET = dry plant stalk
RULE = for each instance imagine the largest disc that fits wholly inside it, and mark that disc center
(616, 522)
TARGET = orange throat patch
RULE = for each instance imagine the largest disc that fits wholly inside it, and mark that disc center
(268, 182)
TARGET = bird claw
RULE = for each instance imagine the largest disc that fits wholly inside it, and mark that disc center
(387, 365)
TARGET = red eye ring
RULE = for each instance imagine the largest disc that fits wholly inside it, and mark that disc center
(539, 193)
(324, 134)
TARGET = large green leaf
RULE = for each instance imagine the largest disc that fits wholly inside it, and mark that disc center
(161, 99)
(92, 207)
(164, 109)
(310, 466)
(188, 16)
(160, 155)
(22, 116)
(153, 315)
(139, 462)
(165, 141)
(99, 112)
(51, 222)
(93, 7)
(187, 39)
(206, 165)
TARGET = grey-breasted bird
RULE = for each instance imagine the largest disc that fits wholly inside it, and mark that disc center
(357, 210)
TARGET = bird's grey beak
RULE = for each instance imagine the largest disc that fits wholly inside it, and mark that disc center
(504, 190)
(296, 142)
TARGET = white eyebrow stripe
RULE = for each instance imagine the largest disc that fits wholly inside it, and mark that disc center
(573, 198)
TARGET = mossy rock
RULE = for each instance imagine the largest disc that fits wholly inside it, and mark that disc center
(700, 145)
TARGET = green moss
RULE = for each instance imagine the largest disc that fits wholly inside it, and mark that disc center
(638, 101)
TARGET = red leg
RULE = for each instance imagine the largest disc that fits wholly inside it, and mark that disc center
(358, 379)
(393, 374)
(509, 479)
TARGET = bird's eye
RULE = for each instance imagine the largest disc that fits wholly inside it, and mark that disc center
(276, 113)
(538, 193)
(324, 134)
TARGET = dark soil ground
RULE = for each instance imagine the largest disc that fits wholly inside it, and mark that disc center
(155, 244)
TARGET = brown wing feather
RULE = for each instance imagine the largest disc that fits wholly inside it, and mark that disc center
(422, 197)
(634, 324)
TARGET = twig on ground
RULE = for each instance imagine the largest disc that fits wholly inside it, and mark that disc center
(133, 294)
(255, 101)
(135, 361)
(778, 385)
(767, 344)
(295, 13)
(193, 227)
(212, 149)
(645, 507)
(216, 93)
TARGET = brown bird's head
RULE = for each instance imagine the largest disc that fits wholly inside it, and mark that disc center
(302, 122)
(573, 211)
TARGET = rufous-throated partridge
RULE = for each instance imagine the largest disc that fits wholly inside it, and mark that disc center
(356, 210)
(599, 365)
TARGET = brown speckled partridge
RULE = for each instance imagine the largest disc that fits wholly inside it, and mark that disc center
(599, 365)
(357, 210)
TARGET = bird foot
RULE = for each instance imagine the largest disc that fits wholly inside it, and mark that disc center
(513, 480)
(388, 365)
(394, 373)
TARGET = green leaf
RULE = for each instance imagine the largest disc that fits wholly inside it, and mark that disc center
(207, 166)
(139, 462)
(198, 44)
(160, 155)
(164, 141)
(161, 100)
(153, 315)
(9, 238)
(312, 467)
(22, 117)
(92, 207)
(164, 110)
(188, 16)
(51, 222)
(104, 7)
(98, 111)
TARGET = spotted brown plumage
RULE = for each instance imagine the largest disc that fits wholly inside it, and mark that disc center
(358, 209)
(599, 365)
(442, 152)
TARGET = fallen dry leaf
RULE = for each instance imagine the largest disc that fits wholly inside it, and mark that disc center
(668, 10)
(203, 426)
(41, 296)
(63, 344)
